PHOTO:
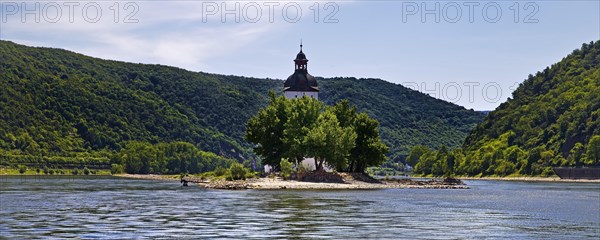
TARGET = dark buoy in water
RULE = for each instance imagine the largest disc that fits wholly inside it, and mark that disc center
(184, 182)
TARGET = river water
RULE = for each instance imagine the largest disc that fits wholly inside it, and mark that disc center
(109, 208)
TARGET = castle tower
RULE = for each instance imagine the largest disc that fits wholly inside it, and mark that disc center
(301, 83)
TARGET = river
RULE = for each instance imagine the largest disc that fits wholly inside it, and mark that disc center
(109, 208)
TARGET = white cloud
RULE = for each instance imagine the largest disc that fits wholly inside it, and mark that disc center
(169, 33)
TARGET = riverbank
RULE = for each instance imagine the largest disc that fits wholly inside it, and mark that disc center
(51, 172)
(349, 182)
(530, 179)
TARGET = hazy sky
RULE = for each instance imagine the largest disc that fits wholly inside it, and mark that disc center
(471, 53)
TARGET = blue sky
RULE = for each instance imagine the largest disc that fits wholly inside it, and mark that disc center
(474, 59)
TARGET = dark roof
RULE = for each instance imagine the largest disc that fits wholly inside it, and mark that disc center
(301, 56)
(301, 81)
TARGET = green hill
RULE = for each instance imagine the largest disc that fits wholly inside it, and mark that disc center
(407, 117)
(552, 116)
(552, 119)
(59, 103)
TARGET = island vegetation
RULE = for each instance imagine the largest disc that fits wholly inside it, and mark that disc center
(337, 135)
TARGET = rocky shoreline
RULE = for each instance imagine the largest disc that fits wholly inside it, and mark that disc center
(348, 182)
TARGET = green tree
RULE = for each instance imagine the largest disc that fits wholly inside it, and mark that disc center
(22, 169)
(265, 130)
(237, 171)
(345, 113)
(459, 158)
(576, 154)
(452, 160)
(286, 168)
(302, 114)
(284, 128)
(426, 162)
(117, 169)
(593, 150)
(504, 168)
(329, 142)
(177, 157)
(369, 150)
(137, 157)
(415, 153)
(440, 166)
(220, 171)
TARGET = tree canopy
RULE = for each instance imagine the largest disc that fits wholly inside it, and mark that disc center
(334, 135)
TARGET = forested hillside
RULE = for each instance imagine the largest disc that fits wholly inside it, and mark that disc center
(554, 109)
(407, 117)
(553, 119)
(59, 103)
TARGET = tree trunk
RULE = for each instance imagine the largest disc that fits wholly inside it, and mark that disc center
(360, 167)
(320, 168)
(318, 164)
(298, 162)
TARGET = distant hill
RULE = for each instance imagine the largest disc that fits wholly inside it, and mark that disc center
(407, 117)
(58, 103)
(550, 120)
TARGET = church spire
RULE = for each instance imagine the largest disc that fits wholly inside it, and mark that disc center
(301, 61)
(301, 83)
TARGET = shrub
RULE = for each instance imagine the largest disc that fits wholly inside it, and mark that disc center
(22, 169)
(547, 172)
(86, 171)
(286, 168)
(504, 168)
(251, 174)
(207, 175)
(74, 171)
(220, 171)
(117, 169)
(302, 171)
(237, 171)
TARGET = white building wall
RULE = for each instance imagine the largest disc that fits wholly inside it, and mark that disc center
(294, 94)
(307, 163)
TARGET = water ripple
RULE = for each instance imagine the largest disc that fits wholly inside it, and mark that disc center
(113, 208)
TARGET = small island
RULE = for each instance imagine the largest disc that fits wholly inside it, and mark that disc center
(315, 181)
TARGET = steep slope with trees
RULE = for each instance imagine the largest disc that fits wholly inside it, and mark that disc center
(553, 119)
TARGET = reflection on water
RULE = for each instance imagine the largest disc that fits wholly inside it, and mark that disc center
(106, 207)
